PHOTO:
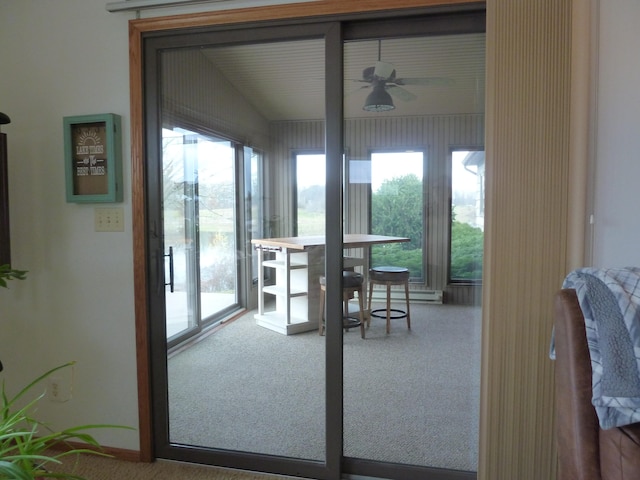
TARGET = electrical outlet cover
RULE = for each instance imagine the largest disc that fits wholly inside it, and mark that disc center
(109, 219)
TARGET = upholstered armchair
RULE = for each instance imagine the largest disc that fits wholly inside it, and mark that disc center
(585, 451)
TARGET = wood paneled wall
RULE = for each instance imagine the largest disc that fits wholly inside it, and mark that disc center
(435, 134)
(196, 94)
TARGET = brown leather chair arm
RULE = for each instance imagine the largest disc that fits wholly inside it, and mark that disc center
(576, 420)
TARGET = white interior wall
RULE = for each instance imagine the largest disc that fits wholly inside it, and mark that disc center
(68, 57)
(616, 228)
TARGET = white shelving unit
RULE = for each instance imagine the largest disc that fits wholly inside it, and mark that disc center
(295, 292)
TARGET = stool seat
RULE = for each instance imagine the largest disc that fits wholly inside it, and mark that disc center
(395, 275)
(349, 279)
(390, 275)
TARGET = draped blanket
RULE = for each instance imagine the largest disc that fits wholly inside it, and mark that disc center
(610, 302)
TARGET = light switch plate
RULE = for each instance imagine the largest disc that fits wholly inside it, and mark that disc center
(109, 219)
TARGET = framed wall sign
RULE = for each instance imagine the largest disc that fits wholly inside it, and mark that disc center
(93, 158)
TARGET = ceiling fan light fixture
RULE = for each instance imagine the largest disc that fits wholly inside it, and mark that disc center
(378, 100)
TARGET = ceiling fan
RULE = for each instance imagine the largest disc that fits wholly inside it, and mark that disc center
(383, 79)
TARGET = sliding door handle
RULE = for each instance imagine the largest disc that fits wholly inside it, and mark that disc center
(170, 282)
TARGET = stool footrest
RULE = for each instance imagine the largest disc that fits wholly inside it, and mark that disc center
(350, 322)
(399, 313)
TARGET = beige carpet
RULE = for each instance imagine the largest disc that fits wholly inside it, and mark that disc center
(93, 467)
(410, 397)
(430, 420)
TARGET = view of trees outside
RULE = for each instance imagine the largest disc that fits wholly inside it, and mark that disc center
(397, 205)
(467, 215)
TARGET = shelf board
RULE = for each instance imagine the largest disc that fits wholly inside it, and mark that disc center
(277, 322)
(280, 264)
(281, 292)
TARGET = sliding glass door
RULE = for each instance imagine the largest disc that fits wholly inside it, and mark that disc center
(411, 393)
(200, 235)
(277, 162)
(240, 358)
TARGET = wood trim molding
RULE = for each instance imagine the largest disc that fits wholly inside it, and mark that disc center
(137, 28)
(283, 12)
(584, 17)
(138, 218)
(119, 453)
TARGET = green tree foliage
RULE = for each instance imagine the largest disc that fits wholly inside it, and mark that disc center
(394, 254)
(396, 209)
(466, 251)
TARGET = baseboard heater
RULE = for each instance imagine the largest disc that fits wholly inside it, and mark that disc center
(397, 295)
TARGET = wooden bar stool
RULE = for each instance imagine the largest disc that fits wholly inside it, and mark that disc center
(352, 282)
(390, 276)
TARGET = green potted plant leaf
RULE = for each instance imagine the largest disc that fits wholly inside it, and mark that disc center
(29, 448)
(7, 273)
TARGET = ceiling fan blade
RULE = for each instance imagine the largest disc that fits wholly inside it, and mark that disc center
(437, 81)
(368, 74)
(352, 91)
(383, 70)
(400, 93)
